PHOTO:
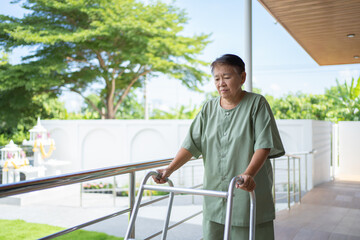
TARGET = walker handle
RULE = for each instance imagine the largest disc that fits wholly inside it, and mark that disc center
(158, 176)
(240, 181)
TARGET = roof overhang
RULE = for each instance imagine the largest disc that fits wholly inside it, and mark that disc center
(321, 27)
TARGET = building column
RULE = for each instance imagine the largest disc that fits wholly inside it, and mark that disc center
(248, 44)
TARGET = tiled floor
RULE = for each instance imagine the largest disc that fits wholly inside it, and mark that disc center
(329, 211)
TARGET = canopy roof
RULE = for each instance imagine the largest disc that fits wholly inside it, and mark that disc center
(328, 30)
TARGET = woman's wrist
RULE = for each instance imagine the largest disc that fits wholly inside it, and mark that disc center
(169, 170)
(249, 174)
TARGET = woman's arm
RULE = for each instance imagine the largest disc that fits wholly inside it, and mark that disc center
(182, 156)
(257, 161)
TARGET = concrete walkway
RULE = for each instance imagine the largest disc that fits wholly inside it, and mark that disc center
(61, 207)
(329, 211)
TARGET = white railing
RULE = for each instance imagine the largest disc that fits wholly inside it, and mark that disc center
(288, 173)
(292, 188)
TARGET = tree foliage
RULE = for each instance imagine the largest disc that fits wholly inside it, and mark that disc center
(181, 112)
(131, 108)
(299, 106)
(110, 43)
(339, 103)
(346, 101)
(19, 107)
(19, 111)
(4, 58)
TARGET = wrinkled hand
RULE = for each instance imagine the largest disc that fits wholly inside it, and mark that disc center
(248, 184)
(162, 177)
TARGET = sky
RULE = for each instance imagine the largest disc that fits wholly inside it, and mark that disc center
(280, 65)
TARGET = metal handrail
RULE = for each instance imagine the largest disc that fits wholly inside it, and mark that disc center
(7, 190)
(313, 151)
(82, 176)
(77, 177)
(293, 156)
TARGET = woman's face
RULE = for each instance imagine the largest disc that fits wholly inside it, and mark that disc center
(228, 81)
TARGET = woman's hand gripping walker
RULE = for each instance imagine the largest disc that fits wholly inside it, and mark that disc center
(246, 183)
(159, 177)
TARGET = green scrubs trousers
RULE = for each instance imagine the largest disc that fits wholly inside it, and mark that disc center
(215, 231)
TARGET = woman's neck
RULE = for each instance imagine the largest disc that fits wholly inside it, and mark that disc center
(230, 103)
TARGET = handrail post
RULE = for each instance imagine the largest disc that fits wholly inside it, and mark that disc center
(192, 183)
(306, 177)
(81, 194)
(274, 193)
(299, 159)
(114, 191)
(132, 199)
(288, 183)
(294, 181)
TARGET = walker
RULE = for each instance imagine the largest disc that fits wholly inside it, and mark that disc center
(172, 190)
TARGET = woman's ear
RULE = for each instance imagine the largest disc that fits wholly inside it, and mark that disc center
(243, 77)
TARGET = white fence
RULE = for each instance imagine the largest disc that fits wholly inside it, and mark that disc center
(347, 150)
(90, 144)
(300, 136)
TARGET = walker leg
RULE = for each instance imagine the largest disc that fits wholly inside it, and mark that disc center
(167, 220)
(137, 206)
(252, 216)
(230, 196)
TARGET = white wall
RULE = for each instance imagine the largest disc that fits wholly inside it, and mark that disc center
(300, 136)
(90, 144)
(321, 142)
(348, 150)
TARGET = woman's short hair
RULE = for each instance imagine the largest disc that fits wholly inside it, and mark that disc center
(229, 59)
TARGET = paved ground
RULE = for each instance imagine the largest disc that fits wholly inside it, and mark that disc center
(329, 211)
(61, 207)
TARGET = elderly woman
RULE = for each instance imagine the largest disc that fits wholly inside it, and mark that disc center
(236, 134)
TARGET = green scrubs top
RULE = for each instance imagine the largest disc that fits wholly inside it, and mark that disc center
(227, 140)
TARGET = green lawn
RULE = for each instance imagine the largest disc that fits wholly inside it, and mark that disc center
(21, 230)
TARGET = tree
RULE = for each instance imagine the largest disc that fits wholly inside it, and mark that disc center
(181, 112)
(111, 43)
(299, 106)
(339, 103)
(131, 108)
(346, 100)
(4, 58)
(19, 106)
(19, 110)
